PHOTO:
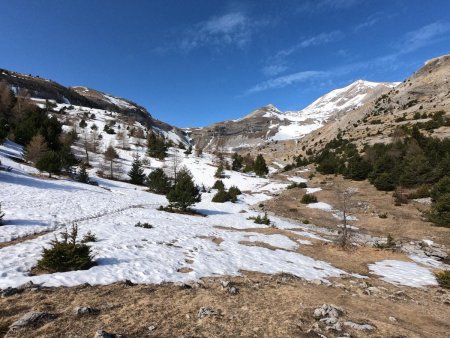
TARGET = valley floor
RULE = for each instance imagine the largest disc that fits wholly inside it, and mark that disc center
(278, 274)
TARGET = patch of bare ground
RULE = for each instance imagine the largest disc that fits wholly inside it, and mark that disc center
(265, 306)
(406, 222)
(23, 239)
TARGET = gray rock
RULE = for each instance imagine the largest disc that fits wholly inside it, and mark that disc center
(359, 327)
(104, 334)
(207, 312)
(9, 291)
(31, 318)
(85, 310)
(29, 285)
(233, 290)
(328, 310)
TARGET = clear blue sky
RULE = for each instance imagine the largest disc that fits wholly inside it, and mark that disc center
(192, 62)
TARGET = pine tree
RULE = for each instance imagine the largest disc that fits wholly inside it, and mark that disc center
(184, 193)
(83, 123)
(2, 214)
(237, 162)
(50, 162)
(156, 147)
(260, 166)
(219, 171)
(158, 182)
(136, 173)
(83, 176)
(36, 148)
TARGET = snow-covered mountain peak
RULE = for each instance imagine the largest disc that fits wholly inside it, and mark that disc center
(342, 100)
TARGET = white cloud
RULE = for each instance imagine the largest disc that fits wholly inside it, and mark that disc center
(230, 29)
(322, 38)
(424, 36)
(273, 70)
(286, 80)
(277, 63)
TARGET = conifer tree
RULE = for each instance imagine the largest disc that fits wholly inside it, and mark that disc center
(156, 147)
(158, 182)
(219, 171)
(184, 193)
(260, 166)
(83, 176)
(50, 162)
(136, 172)
(237, 162)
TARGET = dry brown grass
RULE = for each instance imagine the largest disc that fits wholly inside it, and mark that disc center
(266, 306)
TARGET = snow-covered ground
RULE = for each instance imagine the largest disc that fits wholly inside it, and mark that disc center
(177, 248)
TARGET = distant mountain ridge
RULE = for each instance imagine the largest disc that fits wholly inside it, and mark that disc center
(40, 88)
(268, 123)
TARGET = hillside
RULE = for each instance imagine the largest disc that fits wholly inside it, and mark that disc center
(44, 89)
(268, 123)
(414, 101)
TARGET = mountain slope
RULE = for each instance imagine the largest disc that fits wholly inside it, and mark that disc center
(270, 124)
(44, 89)
(414, 101)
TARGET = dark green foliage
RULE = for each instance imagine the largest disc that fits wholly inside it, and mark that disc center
(415, 161)
(136, 172)
(237, 162)
(89, 237)
(442, 187)
(143, 225)
(108, 130)
(158, 182)
(82, 123)
(219, 185)
(156, 146)
(385, 182)
(260, 167)
(219, 171)
(261, 220)
(438, 119)
(234, 191)
(440, 211)
(297, 185)
(357, 169)
(221, 196)
(83, 176)
(2, 214)
(184, 193)
(308, 198)
(443, 278)
(66, 254)
(50, 162)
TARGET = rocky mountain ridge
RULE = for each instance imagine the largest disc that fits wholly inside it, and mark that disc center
(45, 89)
(268, 123)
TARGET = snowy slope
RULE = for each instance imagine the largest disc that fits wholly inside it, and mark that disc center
(336, 102)
(178, 248)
